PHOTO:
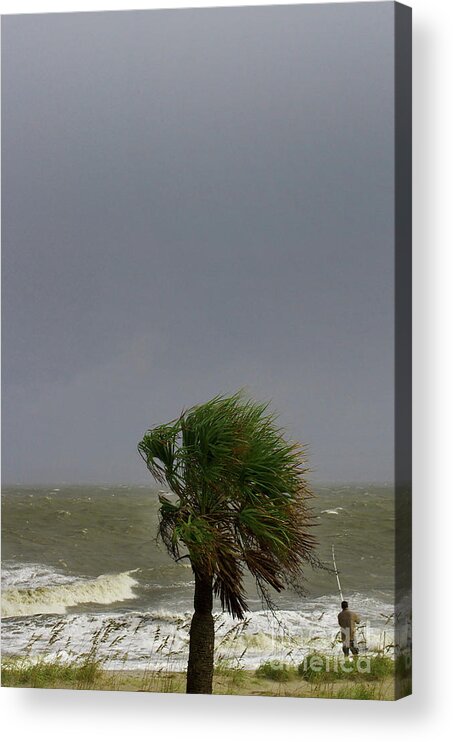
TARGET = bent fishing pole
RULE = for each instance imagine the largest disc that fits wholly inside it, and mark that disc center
(336, 573)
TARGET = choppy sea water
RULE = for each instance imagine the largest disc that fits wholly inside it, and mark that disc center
(81, 567)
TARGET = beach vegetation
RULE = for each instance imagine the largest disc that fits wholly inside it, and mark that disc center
(50, 674)
(278, 671)
(319, 668)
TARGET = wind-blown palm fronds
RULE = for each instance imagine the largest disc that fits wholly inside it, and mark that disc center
(238, 496)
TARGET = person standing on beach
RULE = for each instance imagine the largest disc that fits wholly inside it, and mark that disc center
(347, 620)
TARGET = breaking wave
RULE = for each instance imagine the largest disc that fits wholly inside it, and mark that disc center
(105, 589)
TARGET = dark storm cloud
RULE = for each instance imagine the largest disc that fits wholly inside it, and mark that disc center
(196, 201)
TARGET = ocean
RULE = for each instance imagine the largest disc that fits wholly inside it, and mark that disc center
(82, 572)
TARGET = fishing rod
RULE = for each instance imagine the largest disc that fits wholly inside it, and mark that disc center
(336, 573)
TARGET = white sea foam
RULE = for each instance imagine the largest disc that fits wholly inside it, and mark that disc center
(332, 511)
(56, 598)
(160, 638)
(31, 575)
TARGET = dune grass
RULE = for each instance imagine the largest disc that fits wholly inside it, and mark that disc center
(17, 673)
(318, 668)
(229, 681)
(365, 677)
(270, 679)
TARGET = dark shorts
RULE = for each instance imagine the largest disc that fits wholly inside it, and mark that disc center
(350, 645)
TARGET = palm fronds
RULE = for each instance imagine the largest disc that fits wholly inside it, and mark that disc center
(241, 496)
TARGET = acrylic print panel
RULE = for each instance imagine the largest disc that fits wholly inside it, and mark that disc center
(204, 212)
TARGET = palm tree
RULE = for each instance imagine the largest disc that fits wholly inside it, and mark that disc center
(238, 501)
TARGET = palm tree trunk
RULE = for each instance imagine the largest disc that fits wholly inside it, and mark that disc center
(200, 667)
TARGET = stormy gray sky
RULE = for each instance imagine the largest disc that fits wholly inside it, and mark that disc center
(196, 201)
